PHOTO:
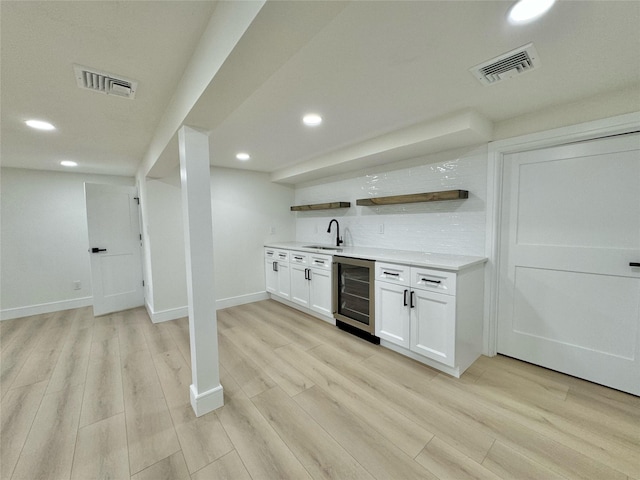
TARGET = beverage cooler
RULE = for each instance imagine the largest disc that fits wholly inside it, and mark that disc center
(353, 294)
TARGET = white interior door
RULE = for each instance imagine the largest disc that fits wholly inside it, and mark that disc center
(114, 247)
(569, 296)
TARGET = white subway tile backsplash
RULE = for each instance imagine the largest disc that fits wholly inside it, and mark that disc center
(456, 227)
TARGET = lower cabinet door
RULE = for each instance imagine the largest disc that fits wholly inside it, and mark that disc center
(433, 326)
(320, 291)
(299, 285)
(271, 276)
(284, 282)
(392, 318)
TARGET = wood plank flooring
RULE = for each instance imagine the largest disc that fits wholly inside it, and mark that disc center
(108, 398)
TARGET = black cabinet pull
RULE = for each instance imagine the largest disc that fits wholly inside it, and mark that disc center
(413, 296)
(431, 281)
(309, 274)
(405, 297)
(392, 274)
(275, 266)
(98, 250)
(634, 264)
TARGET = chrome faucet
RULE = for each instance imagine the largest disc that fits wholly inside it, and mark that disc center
(338, 239)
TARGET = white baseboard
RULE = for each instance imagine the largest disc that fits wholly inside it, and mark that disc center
(203, 403)
(166, 315)
(241, 300)
(175, 313)
(9, 313)
(156, 317)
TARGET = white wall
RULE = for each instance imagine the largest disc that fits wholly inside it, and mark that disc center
(456, 227)
(596, 107)
(164, 228)
(245, 207)
(44, 242)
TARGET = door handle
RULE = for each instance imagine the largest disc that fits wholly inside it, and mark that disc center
(634, 264)
(405, 297)
(97, 250)
(275, 266)
(413, 296)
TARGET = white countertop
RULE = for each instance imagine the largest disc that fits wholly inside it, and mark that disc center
(418, 259)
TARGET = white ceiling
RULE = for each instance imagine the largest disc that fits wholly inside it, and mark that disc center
(374, 70)
(150, 42)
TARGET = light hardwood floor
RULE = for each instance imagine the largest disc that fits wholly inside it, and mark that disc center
(108, 397)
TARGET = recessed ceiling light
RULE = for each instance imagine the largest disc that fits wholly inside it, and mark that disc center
(243, 156)
(40, 125)
(528, 10)
(68, 163)
(312, 119)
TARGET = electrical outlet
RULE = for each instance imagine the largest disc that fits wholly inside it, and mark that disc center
(381, 228)
(77, 285)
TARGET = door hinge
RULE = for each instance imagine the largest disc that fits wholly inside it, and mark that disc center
(137, 199)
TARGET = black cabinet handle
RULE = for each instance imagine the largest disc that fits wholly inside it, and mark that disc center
(413, 296)
(275, 266)
(392, 274)
(405, 297)
(309, 274)
(97, 250)
(634, 264)
(431, 281)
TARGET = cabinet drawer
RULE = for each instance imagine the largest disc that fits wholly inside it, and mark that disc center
(276, 254)
(433, 280)
(298, 258)
(392, 273)
(282, 256)
(320, 261)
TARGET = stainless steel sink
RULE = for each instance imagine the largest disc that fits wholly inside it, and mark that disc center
(322, 247)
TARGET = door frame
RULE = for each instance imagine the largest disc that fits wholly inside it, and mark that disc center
(617, 125)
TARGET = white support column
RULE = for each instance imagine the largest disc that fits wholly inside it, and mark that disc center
(206, 391)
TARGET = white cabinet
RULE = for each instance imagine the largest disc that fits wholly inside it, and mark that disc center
(392, 303)
(311, 281)
(278, 280)
(308, 281)
(299, 283)
(320, 285)
(433, 325)
(431, 314)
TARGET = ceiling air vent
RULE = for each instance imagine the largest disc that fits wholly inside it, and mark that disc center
(103, 82)
(508, 65)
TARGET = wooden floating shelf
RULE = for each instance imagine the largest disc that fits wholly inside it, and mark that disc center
(320, 206)
(415, 198)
